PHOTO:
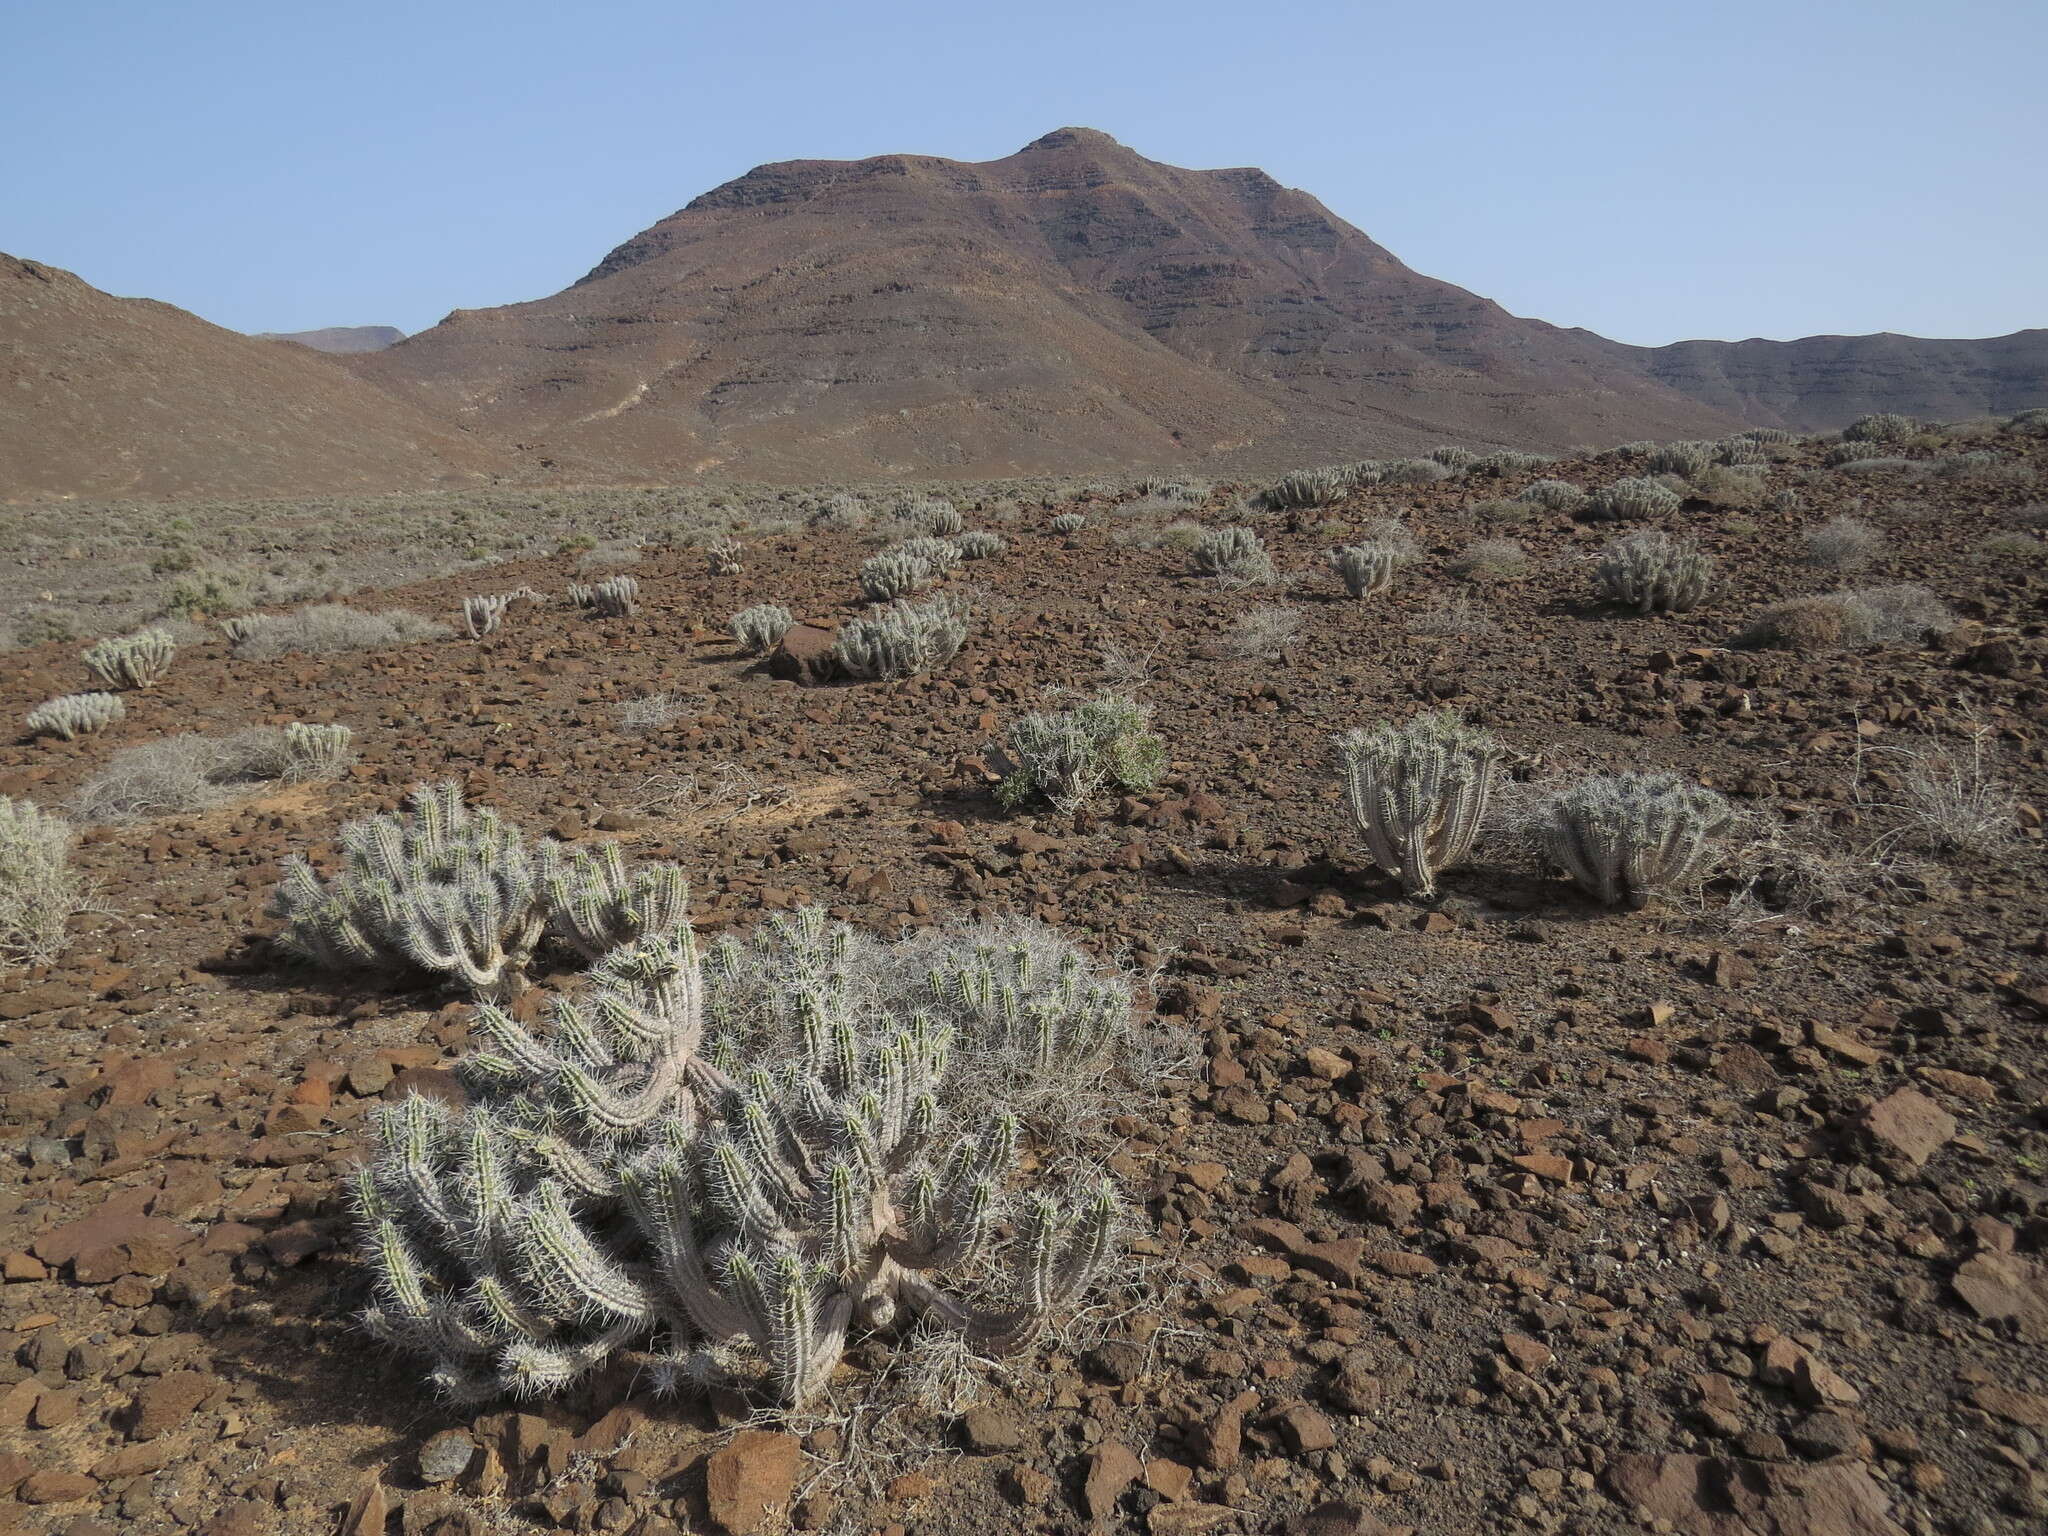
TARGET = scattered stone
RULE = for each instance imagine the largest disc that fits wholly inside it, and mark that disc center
(1111, 1470)
(750, 1477)
(1909, 1125)
(446, 1456)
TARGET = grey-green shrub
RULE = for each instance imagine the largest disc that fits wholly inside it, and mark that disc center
(901, 640)
(1265, 633)
(132, 661)
(1367, 570)
(1418, 793)
(1235, 556)
(893, 574)
(76, 714)
(1552, 495)
(1067, 524)
(1854, 619)
(1413, 472)
(1684, 459)
(940, 554)
(1631, 499)
(311, 751)
(1882, 427)
(1843, 544)
(180, 774)
(1626, 838)
(39, 890)
(979, 544)
(1655, 573)
(1308, 488)
(1503, 462)
(727, 1207)
(1493, 560)
(1065, 756)
(1457, 460)
(935, 515)
(330, 627)
(760, 629)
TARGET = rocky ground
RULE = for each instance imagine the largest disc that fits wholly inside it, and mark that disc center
(1509, 1215)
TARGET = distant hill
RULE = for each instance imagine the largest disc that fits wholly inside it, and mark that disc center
(102, 396)
(340, 338)
(1072, 308)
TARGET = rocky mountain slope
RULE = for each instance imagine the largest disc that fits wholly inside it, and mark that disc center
(102, 396)
(341, 338)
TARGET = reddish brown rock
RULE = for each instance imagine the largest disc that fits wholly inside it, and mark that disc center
(749, 1478)
(1722, 1496)
(1910, 1125)
(2001, 1288)
(804, 655)
(1111, 1470)
(165, 1403)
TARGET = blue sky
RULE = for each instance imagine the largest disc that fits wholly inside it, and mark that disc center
(1647, 170)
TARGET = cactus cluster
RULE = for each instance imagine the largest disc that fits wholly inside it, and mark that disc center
(936, 516)
(1655, 573)
(1366, 569)
(75, 714)
(309, 751)
(940, 554)
(1503, 462)
(1418, 793)
(1235, 556)
(1682, 458)
(481, 615)
(759, 629)
(239, 629)
(645, 1177)
(1457, 460)
(1626, 838)
(1882, 427)
(979, 544)
(901, 639)
(1308, 488)
(1631, 499)
(131, 661)
(894, 574)
(614, 598)
(453, 890)
(723, 556)
(1413, 472)
(1065, 756)
(1067, 524)
(1552, 495)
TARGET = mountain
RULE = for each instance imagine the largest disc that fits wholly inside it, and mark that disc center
(104, 397)
(1074, 306)
(340, 338)
(1821, 382)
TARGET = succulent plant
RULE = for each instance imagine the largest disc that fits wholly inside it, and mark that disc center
(1881, 427)
(1067, 524)
(132, 661)
(1457, 460)
(1418, 793)
(894, 574)
(1366, 569)
(759, 629)
(1629, 499)
(313, 751)
(1503, 462)
(613, 598)
(39, 890)
(1066, 755)
(481, 615)
(238, 629)
(1655, 573)
(1681, 458)
(979, 544)
(936, 515)
(1625, 838)
(901, 639)
(607, 1188)
(596, 902)
(724, 554)
(1308, 488)
(1235, 556)
(940, 554)
(1552, 495)
(76, 714)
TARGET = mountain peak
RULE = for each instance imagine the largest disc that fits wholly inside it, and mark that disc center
(1076, 138)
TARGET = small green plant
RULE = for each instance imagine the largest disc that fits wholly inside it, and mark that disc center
(39, 890)
(1631, 499)
(75, 715)
(1655, 573)
(2012, 547)
(1626, 838)
(1418, 793)
(902, 639)
(133, 661)
(1235, 556)
(759, 629)
(1067, 755)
